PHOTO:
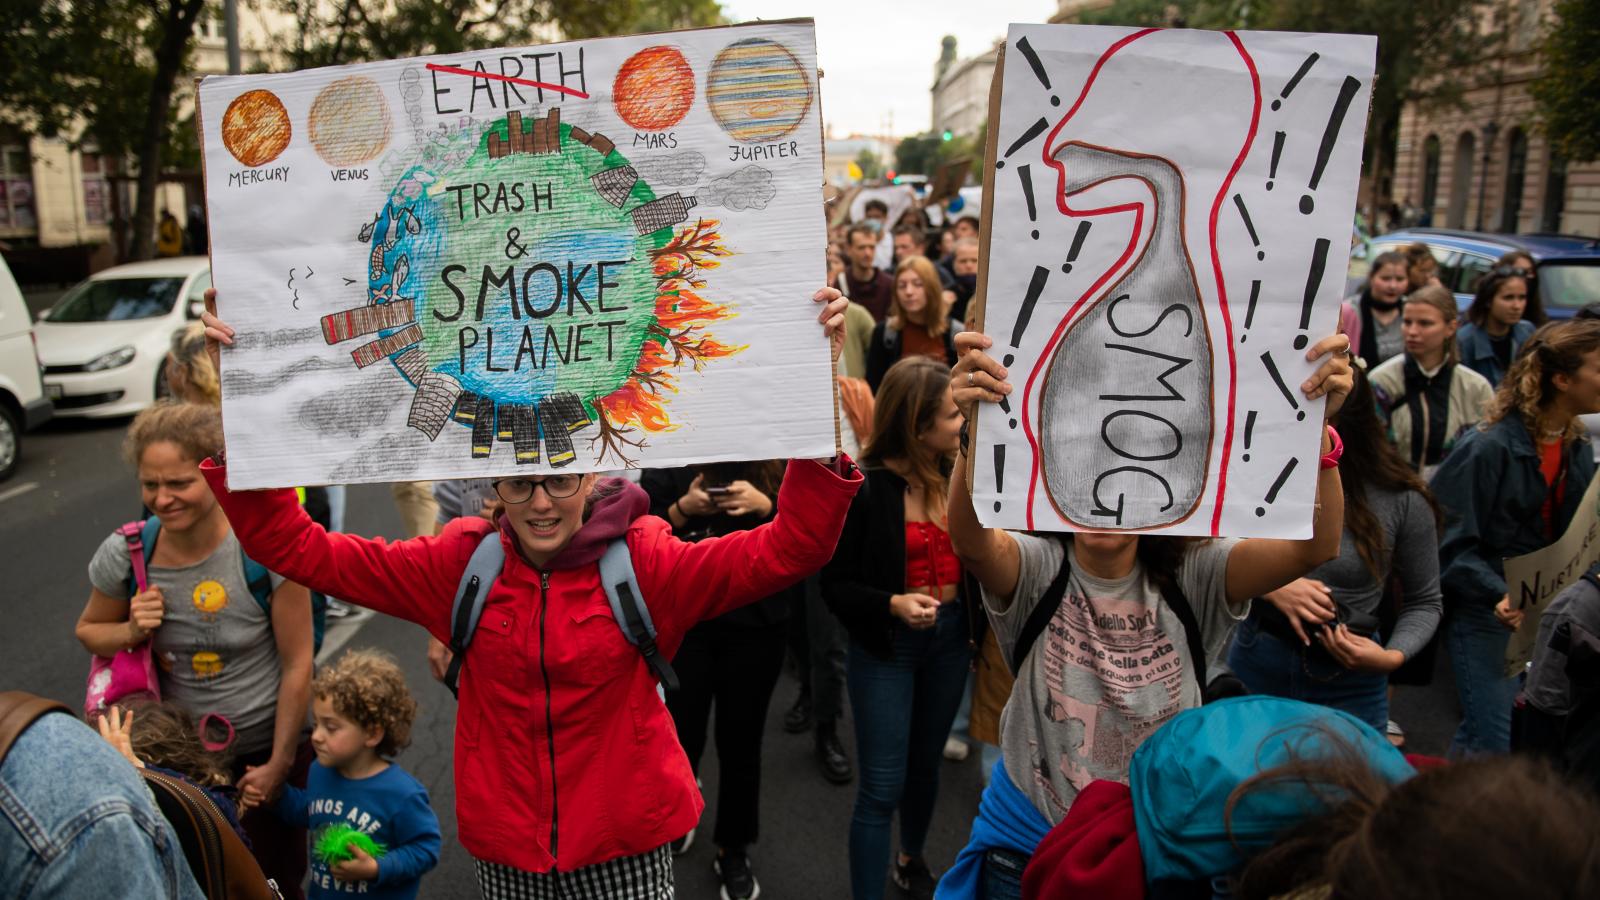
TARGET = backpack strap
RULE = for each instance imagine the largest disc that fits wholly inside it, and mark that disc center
(1041, 615)
(259, 580)
(18, 710)
(1179, 604)
(627, 606)
(471, 593)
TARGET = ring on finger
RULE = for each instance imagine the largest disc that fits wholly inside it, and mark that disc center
(972, 379)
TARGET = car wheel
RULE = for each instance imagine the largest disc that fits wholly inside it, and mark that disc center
(10, 442)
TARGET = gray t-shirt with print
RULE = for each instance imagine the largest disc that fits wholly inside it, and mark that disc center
(215, 647)
(1112, 667)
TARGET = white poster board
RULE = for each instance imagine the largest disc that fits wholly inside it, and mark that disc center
(578, 256)
(1170, 231)
(1534, 579)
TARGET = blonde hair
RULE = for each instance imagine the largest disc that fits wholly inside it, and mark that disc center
(935, 321)
(1442, 300)
(189, 355)
(366, 687)
(1555, 349)
(194, 429)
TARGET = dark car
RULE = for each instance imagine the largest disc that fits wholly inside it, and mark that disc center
(1465, 256)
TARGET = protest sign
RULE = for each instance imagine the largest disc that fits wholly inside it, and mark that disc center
(578, 256)
(1168, 220)
(1534, 579)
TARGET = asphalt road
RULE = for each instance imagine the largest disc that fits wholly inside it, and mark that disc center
(72, 489)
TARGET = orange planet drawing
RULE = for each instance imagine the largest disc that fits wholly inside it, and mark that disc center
(654, 89)
(255, 127)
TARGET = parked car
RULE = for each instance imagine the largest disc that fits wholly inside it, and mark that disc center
(1569, 281)
(23, 404)
(1464, 256)
(104, 345)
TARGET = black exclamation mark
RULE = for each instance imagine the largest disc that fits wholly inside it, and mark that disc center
(1031, 299)
(1249, 226)
(1277, 153)
(1289, 88)
(1330, 135)
(1034, 130)
(999, 472)
(1277, 379)
(1027, 192)
(1038, 67)
(1077, 245)
(1249, 432)
(1272, 495)
(1250, 311)
(1319, 262)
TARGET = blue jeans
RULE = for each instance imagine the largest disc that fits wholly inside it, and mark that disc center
(902, 711)
(77, 821)
(1002, 875)
(1477, 643)
(1269, 665)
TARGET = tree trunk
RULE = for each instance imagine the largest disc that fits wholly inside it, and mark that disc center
(177, 27)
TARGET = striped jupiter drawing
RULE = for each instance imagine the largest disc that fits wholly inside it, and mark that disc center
(757, 90)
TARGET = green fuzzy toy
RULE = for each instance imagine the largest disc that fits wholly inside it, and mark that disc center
(333, 844)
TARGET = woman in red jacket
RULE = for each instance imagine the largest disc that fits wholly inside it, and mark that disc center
(569, 777)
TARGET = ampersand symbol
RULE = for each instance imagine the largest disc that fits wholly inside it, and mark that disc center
(514, 250)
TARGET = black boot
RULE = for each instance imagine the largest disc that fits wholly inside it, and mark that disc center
(831, 757)
(798, 719)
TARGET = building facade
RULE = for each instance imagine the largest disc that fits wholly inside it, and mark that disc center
(961, 91)
(1484, 165)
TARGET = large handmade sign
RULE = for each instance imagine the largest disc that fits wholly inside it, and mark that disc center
(579, 256)
(1167, 230)
(1534, 579)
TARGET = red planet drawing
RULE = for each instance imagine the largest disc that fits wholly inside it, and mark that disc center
(654, 89)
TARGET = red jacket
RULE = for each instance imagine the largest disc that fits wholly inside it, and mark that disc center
(565, 755)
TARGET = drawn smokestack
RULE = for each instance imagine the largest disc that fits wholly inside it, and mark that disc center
(664, 212)
(557, 439)
(466, 411)
(483, 428)
(433, 402)
(525, 435)
(413, 362)
(569, 409)
(613, 185)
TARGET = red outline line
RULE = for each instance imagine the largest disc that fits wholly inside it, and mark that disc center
(1222, 290)
(560, 89)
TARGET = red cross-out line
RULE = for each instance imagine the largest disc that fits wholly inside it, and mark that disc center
(473, 73)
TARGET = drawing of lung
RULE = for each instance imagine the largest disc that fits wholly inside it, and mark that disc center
(1126, 408)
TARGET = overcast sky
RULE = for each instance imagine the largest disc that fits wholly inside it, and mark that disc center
(878, 55)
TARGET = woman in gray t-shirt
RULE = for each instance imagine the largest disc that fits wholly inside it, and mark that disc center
(1113, 664)
(217, 649)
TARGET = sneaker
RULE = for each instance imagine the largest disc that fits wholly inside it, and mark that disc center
(955, 749)
(798, 719)
(682, 845)
(835, 763)
(738, 880)
(337, 609)
(1395, 734)
(914, 878)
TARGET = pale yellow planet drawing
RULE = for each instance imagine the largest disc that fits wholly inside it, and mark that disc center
(349, 121)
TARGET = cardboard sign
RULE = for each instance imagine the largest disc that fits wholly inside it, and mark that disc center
(1534, 579)
(580, 256)
(1167, 231)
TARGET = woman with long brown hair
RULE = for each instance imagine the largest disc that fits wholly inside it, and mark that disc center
(896, 584)
(1317, 639)
(918, 324)
(1500, 320)
(1371, 318)
(1510, 489)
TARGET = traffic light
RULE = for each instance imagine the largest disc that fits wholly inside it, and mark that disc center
(948, 135)
(893, 178)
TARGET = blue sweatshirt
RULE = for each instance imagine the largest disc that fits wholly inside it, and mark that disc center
(391, 806)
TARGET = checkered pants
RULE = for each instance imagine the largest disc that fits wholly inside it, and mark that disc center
(647, 876)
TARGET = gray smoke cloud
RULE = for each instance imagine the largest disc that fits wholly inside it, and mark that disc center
(672, 169)
(749, 188)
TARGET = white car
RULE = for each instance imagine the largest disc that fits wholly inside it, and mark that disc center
(104, 345)
(23, 404)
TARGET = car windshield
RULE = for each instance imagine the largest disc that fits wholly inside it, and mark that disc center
(117, 300)
(1569, 285)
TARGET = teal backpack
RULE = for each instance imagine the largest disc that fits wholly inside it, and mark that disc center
(255, 575)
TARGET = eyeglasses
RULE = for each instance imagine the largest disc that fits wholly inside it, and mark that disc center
(520, 490)
(1511, 272)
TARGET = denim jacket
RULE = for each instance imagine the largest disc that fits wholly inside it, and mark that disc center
(1478, 355)
(1493, 496)
(76, 819)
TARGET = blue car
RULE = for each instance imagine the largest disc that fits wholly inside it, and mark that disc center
(1568, 265)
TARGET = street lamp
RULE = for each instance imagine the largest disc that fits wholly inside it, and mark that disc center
(1490, 131)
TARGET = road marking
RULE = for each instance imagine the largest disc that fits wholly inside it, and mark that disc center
(340, 630)
(17, 491)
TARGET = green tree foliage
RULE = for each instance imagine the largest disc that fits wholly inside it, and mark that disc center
(1567, 92)
(923, 154)
(869, 163)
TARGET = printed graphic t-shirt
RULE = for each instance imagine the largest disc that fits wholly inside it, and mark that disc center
(391, 807)
(214, 648)
(1111, 667)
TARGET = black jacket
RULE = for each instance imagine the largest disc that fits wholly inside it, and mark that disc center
(883, 350)
(869, 567)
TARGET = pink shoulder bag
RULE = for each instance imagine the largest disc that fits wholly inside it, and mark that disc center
(131, 673)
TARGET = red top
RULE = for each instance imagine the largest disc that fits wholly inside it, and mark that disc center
(564, 755)
(930, 561)
(1550, 467)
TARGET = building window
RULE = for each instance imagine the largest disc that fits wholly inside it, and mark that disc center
(1461, 180)
(1516, 171)
(1430, 174)
(96, 191)
(1555, 193)
(16, 188)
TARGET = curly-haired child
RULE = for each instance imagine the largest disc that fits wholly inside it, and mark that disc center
(372, 829)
